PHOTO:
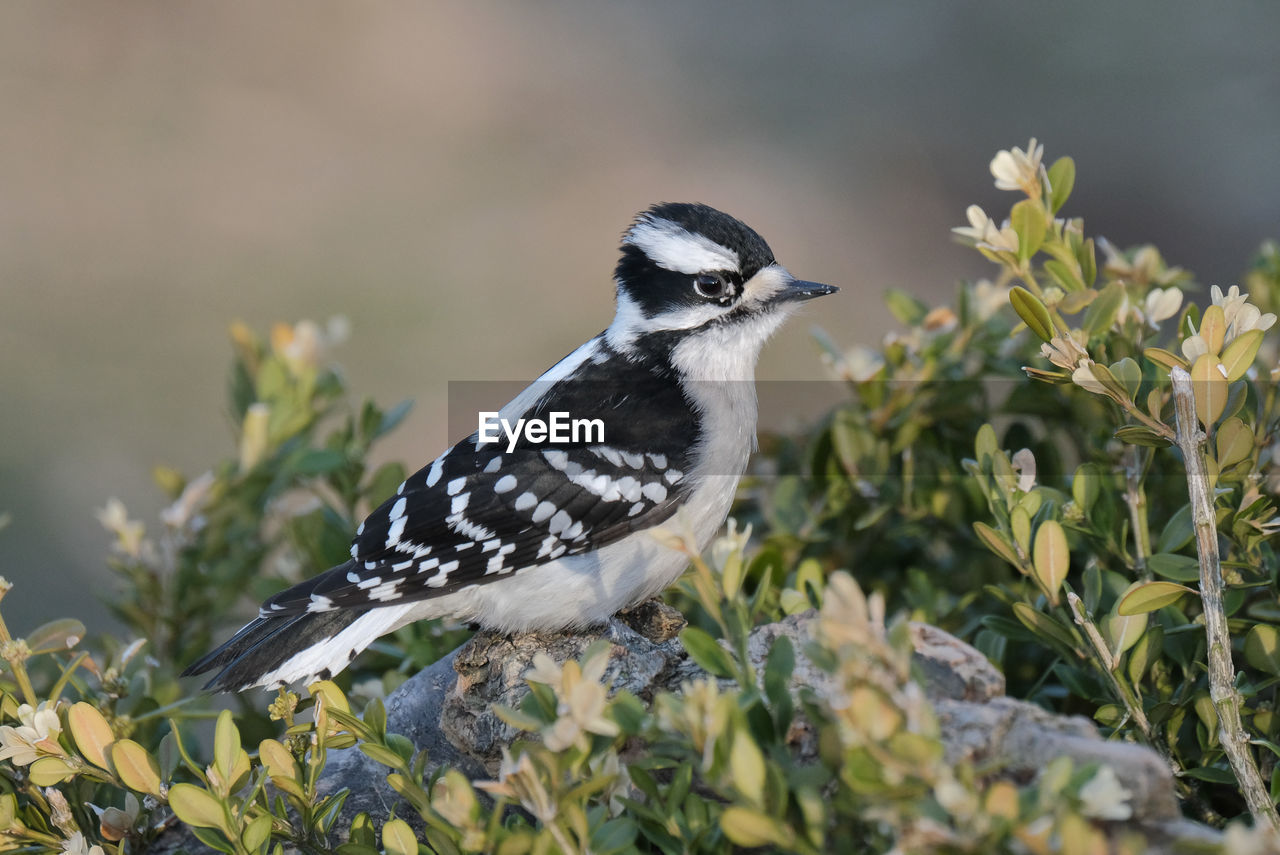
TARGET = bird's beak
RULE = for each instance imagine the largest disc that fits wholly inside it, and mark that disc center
(799, 289)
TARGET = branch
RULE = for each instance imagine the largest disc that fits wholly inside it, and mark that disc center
(1222, 689)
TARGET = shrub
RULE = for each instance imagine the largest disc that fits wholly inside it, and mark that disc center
(1072, 457)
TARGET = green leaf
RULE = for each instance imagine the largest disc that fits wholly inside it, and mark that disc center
(392, 417)
(1028, 220)
(1032, 311)
(1102, 312)
(1262, 648)
(1143, 597)
(1177, 532)
(197, 807)
(778, 668)
(1062, 178)
(1238, 356)
(1046, 627)
(706, 651)
(1148, 649)
(319, 461)
(1141, 435)
(1179, 568)
(1129, 374)
(91, 732)
(1088, 260)
(906, 308)
(56, 636)
(1063, 276)
(1051, 557)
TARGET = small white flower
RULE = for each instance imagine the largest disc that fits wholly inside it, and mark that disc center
(115, 519)
(77, 845)
(1103, 797)
(1083, 377)
(857, 365)
(1019, 170)
(1064, 351)
(183, 510)
(36, 737)
(1024, 463)
(518, 779)
(989, 298)
(985, 233)
(1161, 304)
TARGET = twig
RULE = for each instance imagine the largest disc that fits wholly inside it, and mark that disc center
(1222, 690)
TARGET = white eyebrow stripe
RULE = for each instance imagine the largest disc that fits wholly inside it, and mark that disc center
(672, 247)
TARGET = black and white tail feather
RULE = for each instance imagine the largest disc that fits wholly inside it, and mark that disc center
(553, 537)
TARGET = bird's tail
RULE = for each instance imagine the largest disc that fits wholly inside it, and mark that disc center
(277, 650)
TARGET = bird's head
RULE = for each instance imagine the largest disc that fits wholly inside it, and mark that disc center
(694, 283)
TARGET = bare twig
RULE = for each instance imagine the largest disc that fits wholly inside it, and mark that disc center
(1222, 690)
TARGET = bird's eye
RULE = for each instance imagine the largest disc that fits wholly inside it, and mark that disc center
(710, 285)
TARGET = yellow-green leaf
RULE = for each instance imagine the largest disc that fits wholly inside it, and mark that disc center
(1234, 442)
(1102, 312)
(1028, 220)
(196, 806)
(995, 541)
(1129, 374)
(749, 828)
(1143, 597)
(1062, 177)
(1240, 353)
(91, 732)
(746, 764)
(1050, 557)
(1165, 358)
(1123, 631)
(1020, 525)
(226, 746)
(1046, 626)
(1213, 328)
(48, 771)
(1141, 435)
(1032, 311)
(1209, 387)
(398, 838)
(1103, 375)
(135, 766)
(56, 636)
(256, 833)
(276, 758)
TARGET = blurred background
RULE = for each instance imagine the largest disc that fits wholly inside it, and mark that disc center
(453, 177)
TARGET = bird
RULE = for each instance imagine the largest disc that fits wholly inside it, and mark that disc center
(514, 534)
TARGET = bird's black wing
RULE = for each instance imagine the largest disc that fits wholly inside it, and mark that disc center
(480, 512)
